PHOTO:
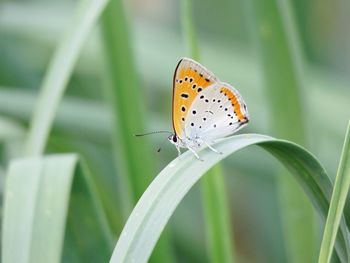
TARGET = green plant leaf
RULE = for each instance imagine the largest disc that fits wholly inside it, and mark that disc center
(339, 196)
(50, 210)
(122, 90)
(95, 117)
(58, 73)
(159, 201)
(278, 46)
(217, 216)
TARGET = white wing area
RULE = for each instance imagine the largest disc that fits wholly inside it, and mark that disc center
(211, 115)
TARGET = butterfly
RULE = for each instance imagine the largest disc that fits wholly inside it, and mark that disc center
(204, 109)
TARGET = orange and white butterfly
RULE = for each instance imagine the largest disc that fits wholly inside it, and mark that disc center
(204, 108)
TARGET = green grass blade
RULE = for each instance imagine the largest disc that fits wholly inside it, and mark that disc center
(277, 44)
(125, 96)
(58, 73)
(339, 196)
(188, 29)
(166, 191)
(95, 117)
(48, 200)
(217, 217)
(213, 191)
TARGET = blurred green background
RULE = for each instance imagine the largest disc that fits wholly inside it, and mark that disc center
(31, 30)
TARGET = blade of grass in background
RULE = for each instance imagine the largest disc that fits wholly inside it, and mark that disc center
(42, 194)
(170, 186)
(215, 202)
(188, 29)
(340, 193)
(133, 155)
(50, 179)
(217, 216)
(59, 72)
(94, 117)
(277, 48)
(99, 160)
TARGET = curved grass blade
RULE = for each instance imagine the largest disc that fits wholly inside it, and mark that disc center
(58, 74)
(340, 193)
(278, 46)
(159, 201)
(50, 201)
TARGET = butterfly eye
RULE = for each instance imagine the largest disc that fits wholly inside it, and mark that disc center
(174, 138)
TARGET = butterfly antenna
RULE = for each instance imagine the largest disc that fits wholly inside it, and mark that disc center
(149, 133)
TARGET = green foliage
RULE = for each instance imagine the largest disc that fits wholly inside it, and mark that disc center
(58, 74)
(339, 195)
(45, 200)
(216, 209)
(164, 194)
(277, 45)
(78, 79)
(124, 93)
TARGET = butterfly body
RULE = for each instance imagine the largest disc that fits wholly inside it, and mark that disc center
(204, 108)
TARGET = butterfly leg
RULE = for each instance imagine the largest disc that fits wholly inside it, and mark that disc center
(211, 148)
(178, 151)
(195, 153)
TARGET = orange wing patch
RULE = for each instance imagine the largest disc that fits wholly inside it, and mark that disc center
(234, 102)
(190, 79)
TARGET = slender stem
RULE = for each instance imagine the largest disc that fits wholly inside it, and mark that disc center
(133, 159)
(277, 44)
(340, 192)
(217, 216)
(189, 30)
(214, 195)
(58, 74)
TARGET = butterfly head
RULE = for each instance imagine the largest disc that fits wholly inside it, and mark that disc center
(173, 139)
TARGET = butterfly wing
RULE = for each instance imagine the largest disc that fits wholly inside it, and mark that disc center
(216, 112)
(190, 79)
